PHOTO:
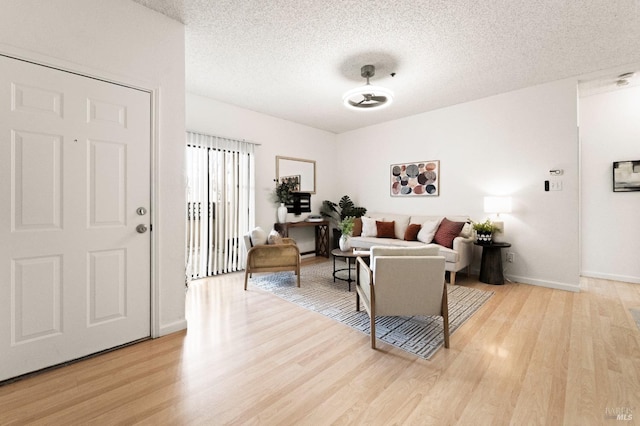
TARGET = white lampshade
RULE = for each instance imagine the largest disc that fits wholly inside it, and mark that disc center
(497, 205)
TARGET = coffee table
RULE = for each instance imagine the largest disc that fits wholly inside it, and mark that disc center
(350, 257)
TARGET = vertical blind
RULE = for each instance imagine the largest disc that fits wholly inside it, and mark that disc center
(220, 203)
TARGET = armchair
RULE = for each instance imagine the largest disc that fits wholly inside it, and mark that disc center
(402, 281)
(262, 257)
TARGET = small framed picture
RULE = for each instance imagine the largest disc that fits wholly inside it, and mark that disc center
(416, 179)
(295, 180)
(626, 176)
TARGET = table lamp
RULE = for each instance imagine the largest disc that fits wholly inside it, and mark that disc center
(497, 205)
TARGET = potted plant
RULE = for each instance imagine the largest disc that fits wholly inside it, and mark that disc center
(484, 231)
(283, 196)
(336, 213)
(346, 229)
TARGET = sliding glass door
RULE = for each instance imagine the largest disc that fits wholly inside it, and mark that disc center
(220, 204)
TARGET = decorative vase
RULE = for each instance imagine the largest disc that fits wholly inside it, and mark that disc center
(484, 237)
(282, 213)
(345, 242)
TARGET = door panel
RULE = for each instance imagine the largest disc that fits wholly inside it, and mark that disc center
(74, 167)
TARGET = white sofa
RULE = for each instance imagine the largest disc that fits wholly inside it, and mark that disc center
(457, 257)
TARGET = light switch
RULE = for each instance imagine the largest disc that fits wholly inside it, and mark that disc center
(556, 185)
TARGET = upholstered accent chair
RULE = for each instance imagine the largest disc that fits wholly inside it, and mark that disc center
(263, 257)
(402, 281)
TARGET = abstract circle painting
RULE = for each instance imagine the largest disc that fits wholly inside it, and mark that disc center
(420, 178)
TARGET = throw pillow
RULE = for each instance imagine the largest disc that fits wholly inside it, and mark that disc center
(357, 227)
(428, 230)
(274, 237)
(369, 228)
(467, 230)
(385, 229)
(447, 232)
(258, 236)
(411, 234)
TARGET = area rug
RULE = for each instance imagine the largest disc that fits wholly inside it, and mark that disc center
(635, 313)
(419, 335)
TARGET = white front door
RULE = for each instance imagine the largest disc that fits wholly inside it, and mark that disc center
(74, 168)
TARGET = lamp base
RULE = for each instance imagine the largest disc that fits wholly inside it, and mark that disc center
(498, 235)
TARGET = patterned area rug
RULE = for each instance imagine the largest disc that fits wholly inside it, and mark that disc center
(421, 336)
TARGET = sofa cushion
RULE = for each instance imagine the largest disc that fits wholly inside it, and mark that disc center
(467, 230)
(450, 255)
(369, 228)
(428, 230)
(385, 229)
(401, 221)
(447, 232)
(368, 242)
(411, 234)
(258, 236)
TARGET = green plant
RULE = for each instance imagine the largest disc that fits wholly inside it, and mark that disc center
(346, 225)
(485, 227)
(344, 208)
(283, 191)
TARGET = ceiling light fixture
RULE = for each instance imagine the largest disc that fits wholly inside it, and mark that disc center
(367, 96)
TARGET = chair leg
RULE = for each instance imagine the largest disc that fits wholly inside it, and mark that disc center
(373, 331)
(445, 316)
(298, 275)
(246, 277)
(452, 278)
(357, 301)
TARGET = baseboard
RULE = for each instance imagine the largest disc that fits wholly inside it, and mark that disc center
(173, 327)
(532, 281)
(612, 277)
(543, 283)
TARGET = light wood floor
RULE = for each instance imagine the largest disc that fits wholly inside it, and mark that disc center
(530, 356)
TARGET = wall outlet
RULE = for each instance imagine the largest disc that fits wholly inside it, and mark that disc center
(511, 257)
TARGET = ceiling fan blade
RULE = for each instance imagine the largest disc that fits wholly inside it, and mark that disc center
(379, 98)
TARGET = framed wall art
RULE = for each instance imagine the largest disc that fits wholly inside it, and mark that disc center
(626, 176)
(294, 181)
(416, 179)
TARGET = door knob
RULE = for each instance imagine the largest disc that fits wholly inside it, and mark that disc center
(141, 229)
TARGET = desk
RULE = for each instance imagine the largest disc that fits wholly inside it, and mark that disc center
(321, 234)
(491, 263)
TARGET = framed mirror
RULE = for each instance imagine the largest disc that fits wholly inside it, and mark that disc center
(298, 169)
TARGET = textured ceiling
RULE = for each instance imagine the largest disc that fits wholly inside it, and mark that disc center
(294, 59)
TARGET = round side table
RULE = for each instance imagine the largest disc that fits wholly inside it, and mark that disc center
(350, 258)
(491, 263)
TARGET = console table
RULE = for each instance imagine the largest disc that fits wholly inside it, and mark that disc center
(321, 234)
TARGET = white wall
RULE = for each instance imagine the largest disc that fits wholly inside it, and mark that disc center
(122, 41)
(609, 131)
(276, 137)
(502, 145)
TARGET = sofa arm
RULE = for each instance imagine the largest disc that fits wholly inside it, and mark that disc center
(464, 247)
